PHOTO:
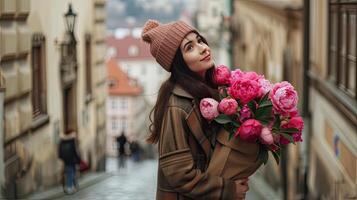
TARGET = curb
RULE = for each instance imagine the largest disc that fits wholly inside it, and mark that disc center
(57, 192)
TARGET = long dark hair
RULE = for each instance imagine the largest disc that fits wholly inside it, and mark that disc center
(190, 81)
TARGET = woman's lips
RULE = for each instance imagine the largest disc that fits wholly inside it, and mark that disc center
(207, 58)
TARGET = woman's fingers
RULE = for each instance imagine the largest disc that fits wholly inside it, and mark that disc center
(241, 188)
(240, 181)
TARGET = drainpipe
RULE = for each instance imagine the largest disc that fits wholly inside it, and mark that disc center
(2, 167)
(305, 112)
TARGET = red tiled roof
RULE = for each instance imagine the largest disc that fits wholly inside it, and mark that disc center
(119, 83)
(122, 46)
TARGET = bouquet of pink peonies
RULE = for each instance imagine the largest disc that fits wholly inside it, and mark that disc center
(257, 117)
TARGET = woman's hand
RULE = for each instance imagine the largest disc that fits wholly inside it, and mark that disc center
(241, 188)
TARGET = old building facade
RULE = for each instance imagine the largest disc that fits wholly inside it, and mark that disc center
(126, 108)
(55, 82)
(133, 56)
(211, 17)
(332, 101)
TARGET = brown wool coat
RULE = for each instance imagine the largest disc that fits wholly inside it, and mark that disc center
(184, 154)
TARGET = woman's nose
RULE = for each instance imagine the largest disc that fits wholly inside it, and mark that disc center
(204, 48)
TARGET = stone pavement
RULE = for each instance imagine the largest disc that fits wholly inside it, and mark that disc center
(137, 182)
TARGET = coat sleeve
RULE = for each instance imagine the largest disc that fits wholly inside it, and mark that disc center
(177, 164)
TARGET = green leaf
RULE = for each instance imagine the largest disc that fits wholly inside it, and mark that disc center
(264, 98)
(289, 130)
(277, 122)
(222, 119)
(236, 124)
(251, 106)
(263, 154)
(264, 113)
(276, 155)
(265, 104)
(287, 136)
(230, 136)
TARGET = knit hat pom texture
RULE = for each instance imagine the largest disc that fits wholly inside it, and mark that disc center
(150, 24)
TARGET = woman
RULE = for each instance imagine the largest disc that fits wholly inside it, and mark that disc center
(184, 138)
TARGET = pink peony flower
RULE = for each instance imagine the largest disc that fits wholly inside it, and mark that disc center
(236, 75)
(244, 113)
(295, 122)
(284, 98)
(297, 137)
(252, 76)
(294, 113)
(209, 108)
(265, 86)
(250, 130)
(244, 90)
(283, 140)
(222, 75)
(266, 137)
(228, 106)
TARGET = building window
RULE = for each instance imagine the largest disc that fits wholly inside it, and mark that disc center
(88, 63)
(112, 82)
(342, 46)
(124, 104)
(115, 125)
(69, 109)
(133, 50)
(114, 104)
(123, 125)
(38, 61)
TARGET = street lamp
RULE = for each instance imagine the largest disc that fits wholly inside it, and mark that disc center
(70, 18)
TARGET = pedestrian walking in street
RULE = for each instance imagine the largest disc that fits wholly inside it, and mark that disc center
(121, 142)
(68, 153)
(135, 151)
(185, 140)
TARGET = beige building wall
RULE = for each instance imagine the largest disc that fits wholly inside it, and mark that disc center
(333, 146)
(31, 146)
(267, 39)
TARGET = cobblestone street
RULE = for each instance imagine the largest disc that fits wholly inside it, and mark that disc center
(136, 182)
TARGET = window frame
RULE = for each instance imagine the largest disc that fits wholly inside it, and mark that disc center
(339, 58)
(88, 65)
(39, 79)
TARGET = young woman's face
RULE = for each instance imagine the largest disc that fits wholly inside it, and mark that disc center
(196, 53)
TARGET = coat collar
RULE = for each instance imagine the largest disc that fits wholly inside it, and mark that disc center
(179, 91)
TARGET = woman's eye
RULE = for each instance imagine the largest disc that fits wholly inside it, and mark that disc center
(189, 48)
(199, 40)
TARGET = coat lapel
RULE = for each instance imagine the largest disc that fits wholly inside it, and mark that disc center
(194, 122)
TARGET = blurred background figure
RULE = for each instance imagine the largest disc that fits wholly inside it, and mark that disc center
(135, 151)
(121, 142)
(67, 152)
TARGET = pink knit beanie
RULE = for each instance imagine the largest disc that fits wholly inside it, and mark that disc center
(165, 39)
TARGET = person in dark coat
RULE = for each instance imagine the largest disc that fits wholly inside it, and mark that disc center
(121, 141)
(135, 150)
(69, 155)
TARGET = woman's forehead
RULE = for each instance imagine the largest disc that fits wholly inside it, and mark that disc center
(191, 36)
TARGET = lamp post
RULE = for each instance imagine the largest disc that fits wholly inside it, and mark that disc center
(70, 19)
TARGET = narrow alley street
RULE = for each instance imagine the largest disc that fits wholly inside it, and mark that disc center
(136, 182)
